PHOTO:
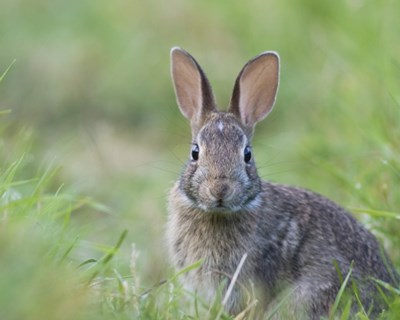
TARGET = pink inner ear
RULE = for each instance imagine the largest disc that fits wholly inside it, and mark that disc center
(258, 86)
(187, 83)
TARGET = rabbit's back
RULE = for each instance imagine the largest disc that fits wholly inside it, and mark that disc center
(317, 234)
(321, 237)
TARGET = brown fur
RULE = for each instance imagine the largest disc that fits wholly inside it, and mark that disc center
(219, 210)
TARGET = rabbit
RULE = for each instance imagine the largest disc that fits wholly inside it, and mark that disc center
(221, 212)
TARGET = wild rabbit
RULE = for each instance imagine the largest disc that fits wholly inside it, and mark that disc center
(221, 211)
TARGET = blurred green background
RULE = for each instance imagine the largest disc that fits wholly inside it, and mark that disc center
(90, 92)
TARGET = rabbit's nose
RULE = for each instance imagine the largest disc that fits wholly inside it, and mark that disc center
(220, 191)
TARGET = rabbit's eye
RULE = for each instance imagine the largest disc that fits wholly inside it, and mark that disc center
(195, 152)
(247, 154)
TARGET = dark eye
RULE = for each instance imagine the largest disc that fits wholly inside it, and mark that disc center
(247, 154)
(195, 152)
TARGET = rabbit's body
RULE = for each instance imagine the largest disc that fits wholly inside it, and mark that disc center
(289, 240)
(220, 210)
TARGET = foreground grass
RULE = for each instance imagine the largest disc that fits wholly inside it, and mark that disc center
(46, 274)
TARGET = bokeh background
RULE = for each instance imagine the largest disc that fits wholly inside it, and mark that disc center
(90, 93)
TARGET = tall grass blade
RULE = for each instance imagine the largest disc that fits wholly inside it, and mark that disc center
(346, 311)
(114, 250)
(377, 213)
(234, 279)
(193, 266)
(187, 269)
(338, 271)
(7, 70)
(84, 263)
(341, 291)
(278, 306)
(101, 264)
(69, 249)
(231, 285)
(387, 286)
(359, 303)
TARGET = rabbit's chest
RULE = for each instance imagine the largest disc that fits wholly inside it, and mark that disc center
(219, 246)
(220, 259)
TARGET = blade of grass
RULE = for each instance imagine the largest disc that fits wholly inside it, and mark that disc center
(231, 285)
(91, 260)
(338, 271)
(114, 250)
(360, 305)
(377, 213)
(45, 178)
(362, 316)
(193, 266)
(387, 286)
(9, 174)
(196, 307)
(69, 249)
(346, 311)
(383, 295)
(276, 308)
(7, 70)
(108, 256)
(340, 293)
(249, 307)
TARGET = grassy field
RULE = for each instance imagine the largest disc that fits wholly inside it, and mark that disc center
(91, 137)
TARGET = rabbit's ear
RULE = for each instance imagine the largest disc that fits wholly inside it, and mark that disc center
(193, 91)
(255, 89)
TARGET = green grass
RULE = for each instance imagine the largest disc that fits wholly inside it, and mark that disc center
(91, 138)
(48, 271)
(51, 268)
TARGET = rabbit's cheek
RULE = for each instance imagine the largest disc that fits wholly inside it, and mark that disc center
(190, 181)
(251, 172)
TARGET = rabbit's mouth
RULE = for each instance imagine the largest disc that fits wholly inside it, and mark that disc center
(222, 196)
(231, 206)
(220, 206)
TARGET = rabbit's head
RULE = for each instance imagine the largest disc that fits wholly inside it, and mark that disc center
(221, 175)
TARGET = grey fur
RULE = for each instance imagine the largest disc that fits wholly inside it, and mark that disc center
(219, 209)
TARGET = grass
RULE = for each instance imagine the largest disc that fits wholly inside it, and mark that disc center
(51, 271)
(91, 138)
